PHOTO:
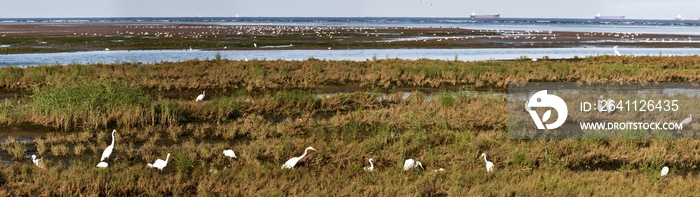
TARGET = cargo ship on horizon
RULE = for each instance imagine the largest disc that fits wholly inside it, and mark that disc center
(686, 19)
(485, 16)
(599, 17)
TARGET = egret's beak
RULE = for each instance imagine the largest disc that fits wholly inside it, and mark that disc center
(314, 149)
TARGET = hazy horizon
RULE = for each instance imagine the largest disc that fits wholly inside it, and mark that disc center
(645, 9)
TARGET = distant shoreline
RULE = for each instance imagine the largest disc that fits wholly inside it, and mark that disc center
(50, 38)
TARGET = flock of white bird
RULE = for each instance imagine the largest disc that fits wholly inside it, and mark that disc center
(408, 163)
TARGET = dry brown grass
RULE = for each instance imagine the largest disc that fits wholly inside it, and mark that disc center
(347, 129)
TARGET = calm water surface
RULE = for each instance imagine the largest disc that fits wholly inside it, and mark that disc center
(354, 55)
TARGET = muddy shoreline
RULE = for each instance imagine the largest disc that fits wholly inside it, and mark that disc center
(47, 38)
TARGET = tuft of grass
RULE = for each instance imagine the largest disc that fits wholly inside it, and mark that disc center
(78, 150)
(18, 151)
(217, 56)
(59, 150)
(183, 162)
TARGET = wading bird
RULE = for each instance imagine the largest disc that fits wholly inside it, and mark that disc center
(230, 153)
(200, 97)
(370, 167)
(410, 163)
(102, 165)
(108, 150)
(38, 162)
(489, 165)
(616, 52)
(159, 163)
(687, 120)
(664, 171)
(293, 161)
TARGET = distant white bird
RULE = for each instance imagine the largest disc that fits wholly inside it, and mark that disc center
(687, 120)
(102, 165)
(616, 52)
(370, 167)
(108, 150)
(230, 153)
(489, 165)
(200, 97)
(106, 49)
(38, 162)
(255, 45)
(159, 163)
(534, 59)
(293, 161)
(664, 171)
(410, 163)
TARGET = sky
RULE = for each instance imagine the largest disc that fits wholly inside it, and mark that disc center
(633, 9)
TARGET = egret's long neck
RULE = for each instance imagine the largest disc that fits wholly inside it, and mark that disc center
(305, 151)
(112, 137)
(485, 159)
(371, 164)
(166, 158)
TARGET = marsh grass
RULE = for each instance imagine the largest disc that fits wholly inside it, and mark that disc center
(95, 104)
(445, 130)
(59, 150)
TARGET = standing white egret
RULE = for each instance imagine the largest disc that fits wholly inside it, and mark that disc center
(293, 161)
(616, 52)
(255, 45)
(108, 150)
(489, 165)
(370, 167)
(664, 171)
(159, 163)
(38, 162)
(102, 165)
(410, 163)
(230, 153)
(200, 97)
(687, 120)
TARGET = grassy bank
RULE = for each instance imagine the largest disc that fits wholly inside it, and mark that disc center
(264, 75)
(268, 112)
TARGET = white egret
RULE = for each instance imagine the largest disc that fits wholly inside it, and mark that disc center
(106, 49)
(410, 163)
(102, 165)
(38, 162)
(230, 153)
(108, 150)
(616, 52)
(370, 167)
(200, 97)
(664, 171)
(293, 161)
(534, 59)
(489, 165)
(687, 120)
(256, 45)
(159, 163)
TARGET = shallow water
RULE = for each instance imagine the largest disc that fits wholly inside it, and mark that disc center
(146, 56)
